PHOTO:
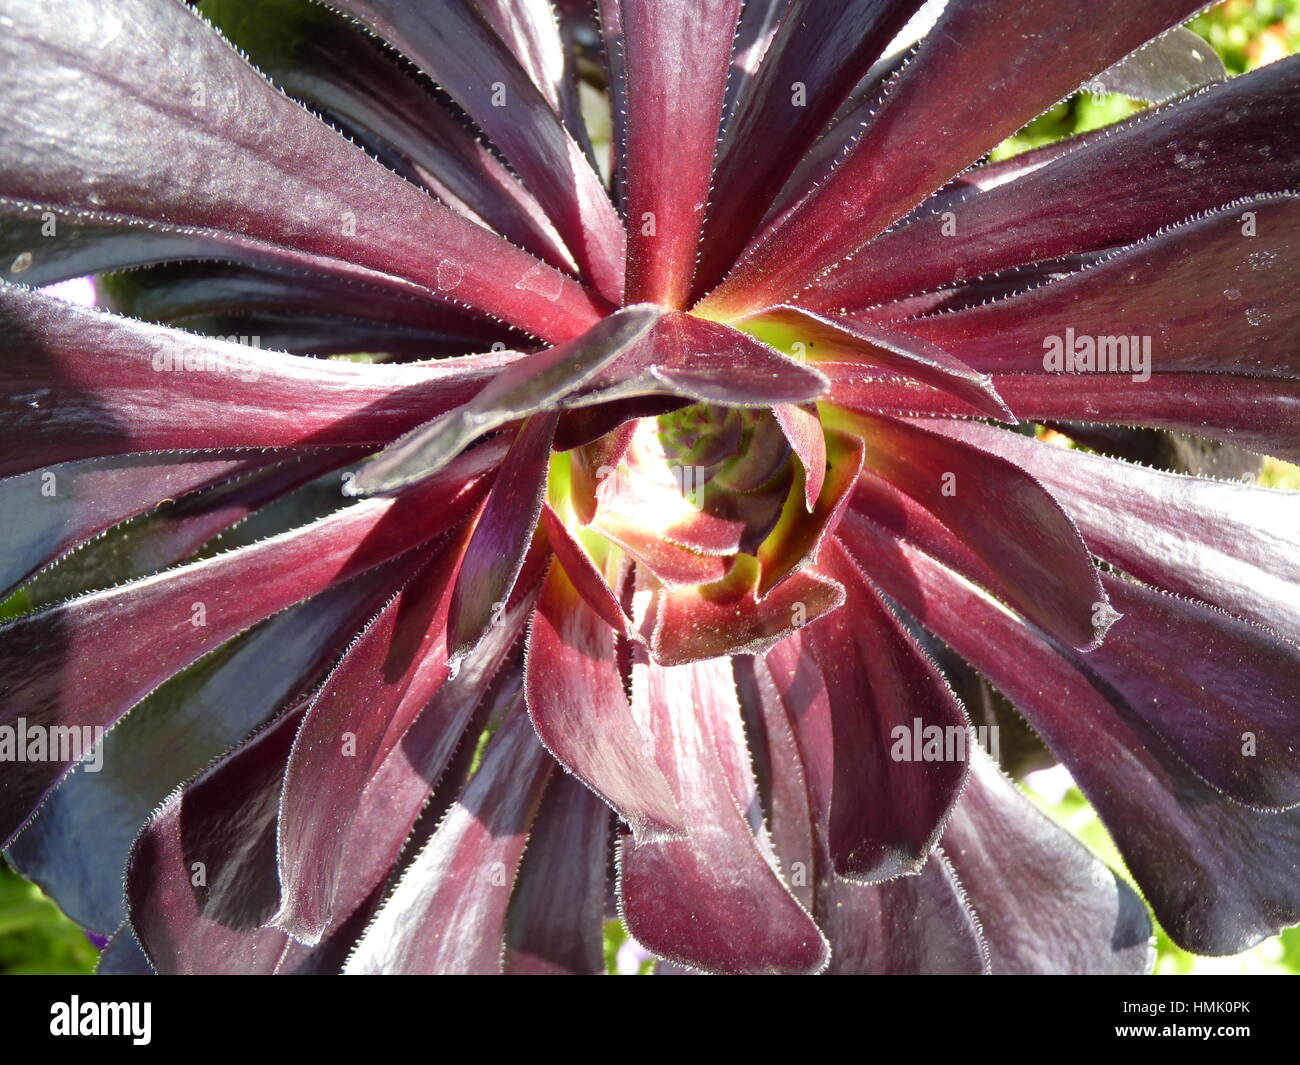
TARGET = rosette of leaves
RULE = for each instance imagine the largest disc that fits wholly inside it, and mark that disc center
(627, 572)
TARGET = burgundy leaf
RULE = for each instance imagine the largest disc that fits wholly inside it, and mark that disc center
(909, 924)
(798, 534)
(555, 915)
(714, 901)
(289, 185)
(759, 20)
(183, 293)
(672, 563)
(179, 529)
(174, 734)
(203, 872)
(816, 57)
(82, 384)
(679, 56)
(992, 521)
(381, 817)
(495, 553)
(582, 572)
(1197, 856)
(836, 339)
(40, 244)
(705, 361)
(581, 713)
(383, 682)
(447, 914)
(1233, 546)
(1237, 139)
(1231, 711)
(803, 431)
(585, 425)
(1044, 903)
(534, 35)
(797, 827)
(1259, 413)
(1212, 296)
(123, 956)
(730, 617)
(591, 463)
(48, 512)
(456, 47)
(191, 610)
(538, 382)
(328, 63)
(907, 151)
(887, 700)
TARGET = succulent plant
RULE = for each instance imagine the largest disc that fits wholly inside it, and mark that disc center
(451, 531)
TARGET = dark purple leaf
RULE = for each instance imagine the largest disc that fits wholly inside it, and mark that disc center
(837, 339)
(289, 186)
(911, 925)
(555, 915)
(535, 383)
(82, 384)
(1167, 165)
(329, 64)
(705, 361)
(1259, 413)
(1215, 295)
(803, 431)
(581, 713)
(799, 533)
(1198, 857)
(906, 925)
(172, 735)
(48, 512)
(889, 797)
(992, 521)
(456, 47)
(816, 57)
(180, 615)
(714, 901)
(123, 956)
(732, 617)
(386, 678)
(184, 293)
(1044, 903)
(382, 815)
(1234, 546)
(203, 871)
(447, 914)
(679, 55)
(495, 554)
(929, 126)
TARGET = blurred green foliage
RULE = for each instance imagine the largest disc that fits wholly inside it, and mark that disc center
(36, 938)
(1246, 34)
(1249, 33)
